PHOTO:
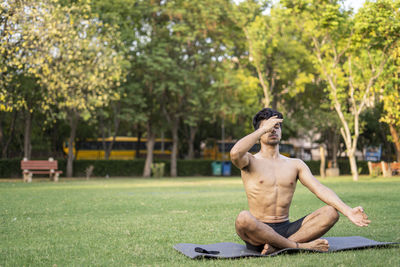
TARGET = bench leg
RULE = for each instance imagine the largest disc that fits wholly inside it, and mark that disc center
(27, 177)
(56, 175)
(370, 169)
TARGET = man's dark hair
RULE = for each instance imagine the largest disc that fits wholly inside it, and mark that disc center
(265, 114)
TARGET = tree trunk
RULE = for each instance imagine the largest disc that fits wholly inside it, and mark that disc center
(103, 134)
(174, 153)
(139, 141)
(353, 165)
(387, 145)
(7, 142)
(54, 140)
(192, 135)
(27, 135)
(335, 149)
(116, 127)
(332, 143)
(396, 141)
(110, 146)
(73, 123)
(322, 166)
(264, 85)
(351, 146)
(149, 150)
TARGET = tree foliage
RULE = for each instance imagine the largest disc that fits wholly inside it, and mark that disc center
(350, 54)
(182, 69)
(68, 52)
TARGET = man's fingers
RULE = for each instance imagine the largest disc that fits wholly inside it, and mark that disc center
(275, 121)
(271, 123)
(275, 118)
(363, 223)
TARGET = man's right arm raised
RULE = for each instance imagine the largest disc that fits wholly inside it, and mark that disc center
(239, 152)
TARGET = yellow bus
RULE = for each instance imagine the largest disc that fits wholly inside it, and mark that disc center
(124, 148)
(212, 149)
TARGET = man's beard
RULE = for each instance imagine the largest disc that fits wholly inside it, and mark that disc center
(273, 142)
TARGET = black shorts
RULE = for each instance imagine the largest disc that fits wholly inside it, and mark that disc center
(285, 229)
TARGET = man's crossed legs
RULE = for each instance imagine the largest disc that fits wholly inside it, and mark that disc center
(313, 226)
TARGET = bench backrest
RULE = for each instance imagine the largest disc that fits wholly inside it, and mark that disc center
(39, 165)
(395, 165)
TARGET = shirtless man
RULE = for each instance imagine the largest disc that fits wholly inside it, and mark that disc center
(270, 180)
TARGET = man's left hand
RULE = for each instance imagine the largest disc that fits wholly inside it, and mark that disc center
(358, 217)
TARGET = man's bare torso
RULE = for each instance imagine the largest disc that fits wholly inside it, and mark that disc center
(270, 185)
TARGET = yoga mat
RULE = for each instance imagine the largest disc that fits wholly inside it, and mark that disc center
(234, 250)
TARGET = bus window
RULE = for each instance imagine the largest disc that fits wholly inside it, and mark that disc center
(287, 150)
(87, 145)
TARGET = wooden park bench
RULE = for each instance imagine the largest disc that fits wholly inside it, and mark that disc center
(384, 168)
(395, 166)
(30, 167)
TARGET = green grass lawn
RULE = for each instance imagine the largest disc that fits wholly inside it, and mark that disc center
(129, 222)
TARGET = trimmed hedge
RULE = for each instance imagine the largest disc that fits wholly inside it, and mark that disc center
(343, 164)
(10, 168)
(135, 167)
(107, 167)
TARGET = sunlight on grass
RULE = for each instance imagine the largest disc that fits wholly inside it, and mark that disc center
(136, 183)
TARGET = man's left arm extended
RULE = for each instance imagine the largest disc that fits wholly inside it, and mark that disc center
(355, 215)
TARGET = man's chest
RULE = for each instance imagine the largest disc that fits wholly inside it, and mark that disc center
(272, 173)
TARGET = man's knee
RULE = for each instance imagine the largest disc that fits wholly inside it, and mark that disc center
(245, 221)
(331, 213)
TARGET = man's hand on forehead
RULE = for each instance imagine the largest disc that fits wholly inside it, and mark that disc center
(269, 124)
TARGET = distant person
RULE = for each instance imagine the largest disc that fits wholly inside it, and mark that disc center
(269, 179)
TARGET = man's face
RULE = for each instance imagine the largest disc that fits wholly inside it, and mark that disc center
(274, 136)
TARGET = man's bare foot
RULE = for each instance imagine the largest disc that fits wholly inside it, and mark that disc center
(268, 249)
(318, 244)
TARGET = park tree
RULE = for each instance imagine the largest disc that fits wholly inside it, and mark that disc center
(145, 31)
(80, 70)
(140, 24)
(202, 28)
(350, 54)
(275, 51)
(238, 97)
(155, 65)
(19, 44)
(389, 89)
(174, 56)
(376, 34)
(129, 112)
(109, 119)
(308, 115)
(199, 30)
